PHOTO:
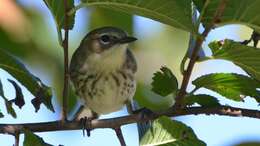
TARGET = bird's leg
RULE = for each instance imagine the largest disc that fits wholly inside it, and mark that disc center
(145, 112)
(86, 123)
(129, 107)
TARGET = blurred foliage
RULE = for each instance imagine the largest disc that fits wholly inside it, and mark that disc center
(148, 99)
(100, 17)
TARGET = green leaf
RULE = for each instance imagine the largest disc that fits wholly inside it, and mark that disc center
(100, 17)
(31, 82)
(165, 132)
(58, 12)
(235, 12)
(246, 57)
(176, 13)
(164, 82)
(201, 99)
(146, 98)
(31, 139)
(215, 46)
(232, 86)
(8, 104)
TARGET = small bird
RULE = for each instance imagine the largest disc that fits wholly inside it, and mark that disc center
(103, 69)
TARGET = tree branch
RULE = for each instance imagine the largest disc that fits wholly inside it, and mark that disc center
(134, 118)
(194, 56)
(66, 63)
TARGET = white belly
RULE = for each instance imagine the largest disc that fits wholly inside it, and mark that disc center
(110, 94)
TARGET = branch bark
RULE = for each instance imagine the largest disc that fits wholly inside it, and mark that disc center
(17, 138)
(194, 56)
(66, 64)
(120, 136)
(134, 118)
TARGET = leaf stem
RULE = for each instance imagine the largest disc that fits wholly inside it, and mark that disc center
(195, 51)
(66, 64)
(202, 14)
(74, 9)
(191, 41)
(59, 35)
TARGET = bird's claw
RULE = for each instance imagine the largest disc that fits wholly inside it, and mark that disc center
(86, 123)
(145, 112)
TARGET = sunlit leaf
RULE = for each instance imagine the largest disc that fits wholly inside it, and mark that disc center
(31, 82)
(201, 99)
(235, 12)
(166, 132)
(243, 56)
(176, 13)
(58, 12)
(19, 99)
(31, 139)
(232, 86)
(164, 82)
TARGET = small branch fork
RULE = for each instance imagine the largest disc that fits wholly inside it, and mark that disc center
(194, 56)
(66, 64)
(113, 123)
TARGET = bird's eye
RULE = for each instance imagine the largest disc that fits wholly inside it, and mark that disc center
(105, 39)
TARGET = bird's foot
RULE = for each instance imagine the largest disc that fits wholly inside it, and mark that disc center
(145, 113)
(86, 124)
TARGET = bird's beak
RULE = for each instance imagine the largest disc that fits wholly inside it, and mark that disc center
(127, 39)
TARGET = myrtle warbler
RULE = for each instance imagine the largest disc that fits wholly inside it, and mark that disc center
(103, 69)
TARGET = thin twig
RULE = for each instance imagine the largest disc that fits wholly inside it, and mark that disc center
(17, 137)
(194, 56)
(120, 136)
(66, 64)
(134, 118)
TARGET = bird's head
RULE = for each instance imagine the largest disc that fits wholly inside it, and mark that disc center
(106, 45)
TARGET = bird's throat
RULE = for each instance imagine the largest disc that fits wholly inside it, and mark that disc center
(109, 60)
